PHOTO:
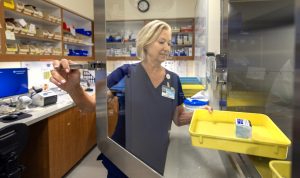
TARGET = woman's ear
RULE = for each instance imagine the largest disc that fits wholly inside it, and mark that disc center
(144, 52)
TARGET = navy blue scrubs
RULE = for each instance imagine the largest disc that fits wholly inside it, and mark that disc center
(146, 135)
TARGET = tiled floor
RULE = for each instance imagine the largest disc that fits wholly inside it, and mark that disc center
(89, 167)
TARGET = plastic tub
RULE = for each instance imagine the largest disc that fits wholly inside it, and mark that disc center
(280, 169)
(216, 130)
(88, 33)
(192, 104)
(189, 90)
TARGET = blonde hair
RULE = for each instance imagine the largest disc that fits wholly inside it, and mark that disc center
(148, 34)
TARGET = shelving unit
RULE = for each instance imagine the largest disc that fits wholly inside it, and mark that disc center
(121, 39)
(39, 20)
(77, 36)
(29, 33)
(39, 33)
(1, 30)
(36, 38)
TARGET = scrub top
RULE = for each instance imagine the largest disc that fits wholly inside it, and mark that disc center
(148, 114)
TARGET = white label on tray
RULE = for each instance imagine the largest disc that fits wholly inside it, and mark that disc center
(10, 35)
(22, 22)
(32, 29)
(243, 122)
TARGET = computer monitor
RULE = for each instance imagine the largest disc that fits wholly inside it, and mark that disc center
(13, 81)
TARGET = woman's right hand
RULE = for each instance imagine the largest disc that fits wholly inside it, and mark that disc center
(63, 77)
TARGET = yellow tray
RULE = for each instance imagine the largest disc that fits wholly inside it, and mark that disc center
(9, 4)
(193, 87)
(190, 90)
(246, 98)
(216, 130)
(280, 169)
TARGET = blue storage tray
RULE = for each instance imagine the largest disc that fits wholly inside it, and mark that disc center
(190, 80)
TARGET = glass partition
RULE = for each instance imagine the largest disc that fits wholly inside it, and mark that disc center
(141, 108)
(260, 46)
(261, 59)
(253, 74)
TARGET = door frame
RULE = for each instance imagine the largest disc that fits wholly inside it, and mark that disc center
(124, 160)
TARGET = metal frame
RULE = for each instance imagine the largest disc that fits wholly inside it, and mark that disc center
(124, 160)
(224, 26)
(296, 120)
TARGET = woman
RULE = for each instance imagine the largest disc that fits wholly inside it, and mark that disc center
(153, 97)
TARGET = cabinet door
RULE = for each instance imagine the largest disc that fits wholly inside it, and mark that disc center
(63, 135)
(71, 135)
(36, 154)
(88, 131)
(57, 128)
(72, 138)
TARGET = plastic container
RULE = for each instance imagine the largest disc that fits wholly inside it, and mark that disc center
(192, 104)
(280, 169)
(190, 90)
(216, 130)
(88, 33)
(79, 30)
(190, 80)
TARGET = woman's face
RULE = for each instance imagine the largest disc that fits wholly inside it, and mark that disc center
(159, 50)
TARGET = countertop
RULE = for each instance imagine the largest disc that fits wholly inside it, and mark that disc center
(64, 102)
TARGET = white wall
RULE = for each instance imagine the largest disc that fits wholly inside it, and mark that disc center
(127, 9)
(214, 26)
(82, 7)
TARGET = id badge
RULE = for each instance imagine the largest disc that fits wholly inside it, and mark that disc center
(168, 92)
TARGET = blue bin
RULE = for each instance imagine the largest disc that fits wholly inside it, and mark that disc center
(191, 104)
(88, 33)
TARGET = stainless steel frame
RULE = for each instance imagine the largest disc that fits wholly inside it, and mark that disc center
(125, 161)
(224, 25)
(296, 119)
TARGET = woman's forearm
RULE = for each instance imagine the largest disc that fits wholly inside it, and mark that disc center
(83, 100)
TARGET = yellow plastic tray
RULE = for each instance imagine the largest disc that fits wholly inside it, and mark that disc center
(9, 4)
(280, 169)
(216, 130)
(193, 87)
(246, 98)
(190, 90)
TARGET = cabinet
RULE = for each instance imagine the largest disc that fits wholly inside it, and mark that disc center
(56, 144)
(121, 36)
(77, 36)
(39, 30)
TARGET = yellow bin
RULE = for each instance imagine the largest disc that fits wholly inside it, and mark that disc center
(190, 90)
(216, 130)
(280, 169)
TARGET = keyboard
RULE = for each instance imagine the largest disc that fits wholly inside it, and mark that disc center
(14, 116)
